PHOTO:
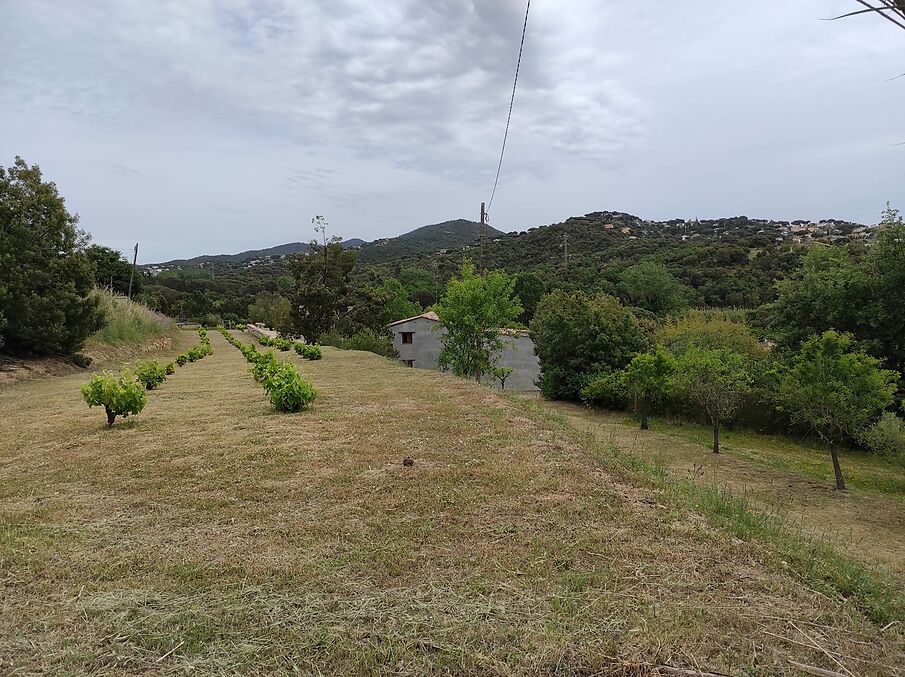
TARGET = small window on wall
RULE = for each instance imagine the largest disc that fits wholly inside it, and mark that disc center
(407, 337)
(409, 363)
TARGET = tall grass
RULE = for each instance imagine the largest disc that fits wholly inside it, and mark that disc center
(127, 322)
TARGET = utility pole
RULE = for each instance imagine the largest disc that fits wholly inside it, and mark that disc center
(132, 274)
(483, 222)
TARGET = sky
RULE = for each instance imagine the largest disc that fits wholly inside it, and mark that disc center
(215, 126)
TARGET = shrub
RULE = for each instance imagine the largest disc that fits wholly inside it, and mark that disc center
(886, 437)
(182, 359)
(378, 342)
(287, 389)
(262, 364)
(151, 374)
(170, 369)
(310, 351)
(606, 389)
(120, 395)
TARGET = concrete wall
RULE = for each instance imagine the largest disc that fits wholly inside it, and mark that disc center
(518, 353)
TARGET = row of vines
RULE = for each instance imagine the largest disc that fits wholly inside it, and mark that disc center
(125, 394)
(287, 388)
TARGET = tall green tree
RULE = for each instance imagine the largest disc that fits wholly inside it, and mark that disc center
(530, 290)
(717, 380)
(836, 390)
(472, 311)
(45, 276)
(577, 335)
(648, 376)
(321, 293)
(651, 286)
(273, 310)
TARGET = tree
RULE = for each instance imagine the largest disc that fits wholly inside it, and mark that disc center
(529, 289)
(421, 285)
(717, 380)
(45, 276)
(321, 285)
(652, 287)
(708, 329)
(577, 335)
(836, 390)
(648, 376)
(397, 305)
(472, 311)
(119, 395)
(112, 270)
(271, 309)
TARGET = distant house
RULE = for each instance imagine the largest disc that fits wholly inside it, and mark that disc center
(417, 340)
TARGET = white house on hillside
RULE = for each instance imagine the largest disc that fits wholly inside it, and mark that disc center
(417, 340)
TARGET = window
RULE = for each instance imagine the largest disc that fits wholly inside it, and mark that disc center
(407, 336)
(408, 363)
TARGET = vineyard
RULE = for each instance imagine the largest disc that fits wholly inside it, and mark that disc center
(212, 533)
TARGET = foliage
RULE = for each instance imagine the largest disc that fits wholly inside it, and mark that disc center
(605, 389)
(886, 437)
(529, 289)
(836, 390)
(379, 342)
(501, 374)
(271, 309)
(711, 330)
(321, 286)
(310, 351)
(170, 369)
(717, 380)
(119, 395)
(45, 276)
(203, 349)
(112, 271)
(81, 360)
(126, 322)
(427, 240)
(287, 389)
(150, 373)
(577, 335)
(651, 286)
(421, 285)
(649, 376)
(473, 310)
(181, 360)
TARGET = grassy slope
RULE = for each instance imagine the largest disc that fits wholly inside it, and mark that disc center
(788, 478)
(209, 533)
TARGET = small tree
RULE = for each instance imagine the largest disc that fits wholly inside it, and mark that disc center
(472, 311)
(717, 380)
(120, 395)
(648, 376)
(835, 390)
(501, 374)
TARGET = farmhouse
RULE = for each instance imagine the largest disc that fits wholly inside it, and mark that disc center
(417, 340)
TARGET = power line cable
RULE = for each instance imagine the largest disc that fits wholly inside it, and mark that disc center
(511, 103)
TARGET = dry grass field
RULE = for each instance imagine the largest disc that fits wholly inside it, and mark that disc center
(212, 535)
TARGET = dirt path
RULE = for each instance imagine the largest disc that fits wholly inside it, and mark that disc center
(867, 526)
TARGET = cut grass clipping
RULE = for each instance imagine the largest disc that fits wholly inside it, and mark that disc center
(287, 389)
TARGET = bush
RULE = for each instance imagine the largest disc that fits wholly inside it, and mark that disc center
(576, 335)
(262, 364)
(182, 359)
(151, 374)
(886, 438)
(310, 351)
(606, 389)
(120, 395)
(288, 391)
(170, 369)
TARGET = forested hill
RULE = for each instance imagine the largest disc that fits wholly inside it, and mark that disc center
(250, 255)
(425, 240)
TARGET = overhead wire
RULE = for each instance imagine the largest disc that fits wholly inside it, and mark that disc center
(511, 104)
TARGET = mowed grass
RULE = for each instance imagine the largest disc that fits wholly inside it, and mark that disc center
(788, 479)
(212, 535)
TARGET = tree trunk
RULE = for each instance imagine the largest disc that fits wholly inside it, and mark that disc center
(110, 416)
(716, 437)
(840, 482)
(645, 406)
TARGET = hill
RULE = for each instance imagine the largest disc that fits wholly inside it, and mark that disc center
(246, 256)
(429, 239)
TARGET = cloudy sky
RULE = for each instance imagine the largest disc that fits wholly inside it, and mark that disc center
(209, 126)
